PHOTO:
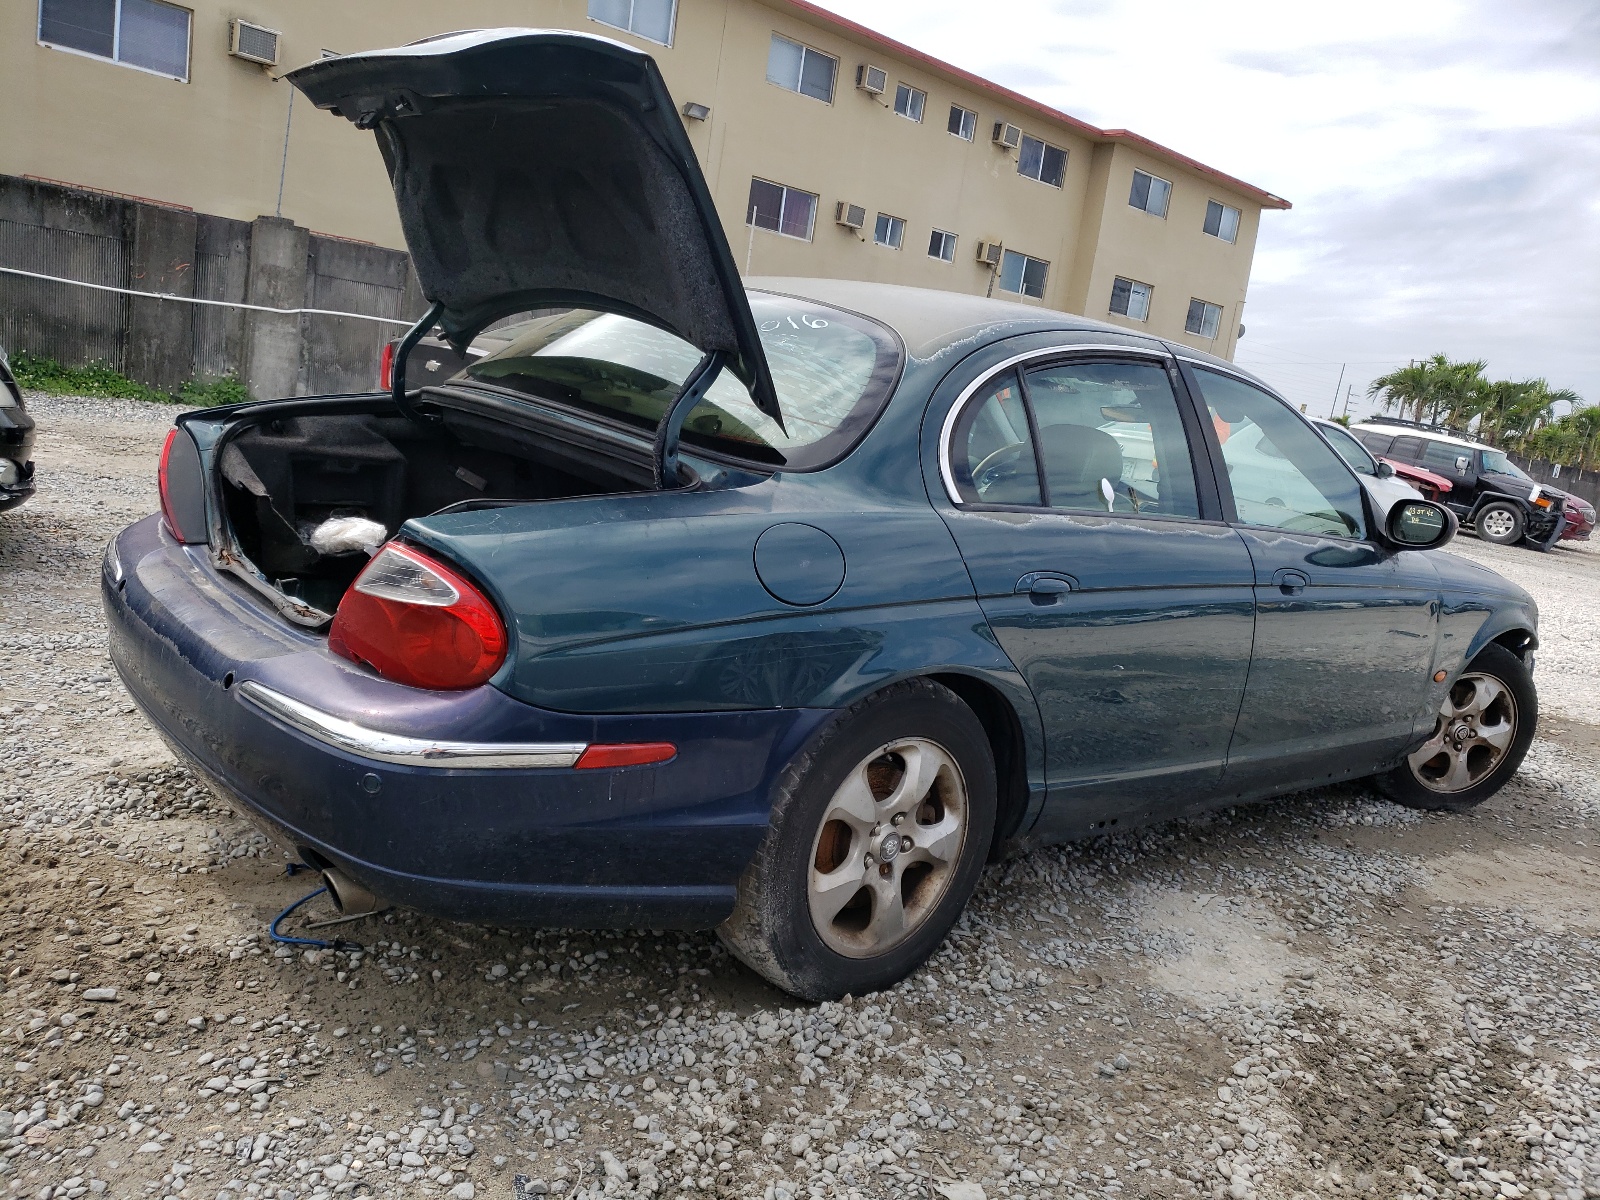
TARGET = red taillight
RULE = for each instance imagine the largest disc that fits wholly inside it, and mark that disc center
(629, 754)
(386, 367)
(162, 484)
(415, 621)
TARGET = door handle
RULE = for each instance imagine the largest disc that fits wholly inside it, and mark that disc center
(1044, 589)
(1289, 582)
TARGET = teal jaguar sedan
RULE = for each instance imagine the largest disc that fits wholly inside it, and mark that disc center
(775, 606)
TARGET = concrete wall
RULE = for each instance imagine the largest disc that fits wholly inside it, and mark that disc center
(216, 143)
(272, 262)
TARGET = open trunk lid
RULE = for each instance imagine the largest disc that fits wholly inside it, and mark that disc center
(544, 168)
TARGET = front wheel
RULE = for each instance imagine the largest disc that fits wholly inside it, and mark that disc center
(1481, 734)
(1499, 523)
(878, 835)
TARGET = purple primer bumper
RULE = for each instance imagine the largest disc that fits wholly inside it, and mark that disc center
(478, 836)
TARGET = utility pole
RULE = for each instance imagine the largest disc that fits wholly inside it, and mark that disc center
(1336, 388)
(1348, 392)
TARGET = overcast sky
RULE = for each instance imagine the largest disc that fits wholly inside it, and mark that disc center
(1442, 156)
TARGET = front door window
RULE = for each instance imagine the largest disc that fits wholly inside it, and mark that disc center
(1283, 475)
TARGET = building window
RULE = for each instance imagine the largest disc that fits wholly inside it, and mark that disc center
(1150, 194)
(1203, 318)
(801, 69)
(650, 19)
(1023, 276)
(1129, 298)
(963, 122)
(784, 210)
(1222, 221)
(146, 34)
(909, 102)
(1042, 161)
(890, 231)
(942, 245)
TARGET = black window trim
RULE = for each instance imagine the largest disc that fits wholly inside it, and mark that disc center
(1213, 509)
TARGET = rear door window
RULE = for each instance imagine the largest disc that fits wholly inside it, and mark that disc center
(1378, 443)
(1111, 439)
(992, 456)
(1408, 448)
(1282, 474)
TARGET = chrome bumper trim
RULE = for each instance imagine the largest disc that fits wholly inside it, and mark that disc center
(408, 751)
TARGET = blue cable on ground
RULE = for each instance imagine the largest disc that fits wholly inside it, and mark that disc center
(286, 940)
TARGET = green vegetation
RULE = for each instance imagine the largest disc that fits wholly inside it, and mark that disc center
(209, 393)
(1517, 415)
(38, 373)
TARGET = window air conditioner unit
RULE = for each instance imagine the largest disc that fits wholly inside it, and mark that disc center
(1007, 135)
(872, 80)
(254, 43)
(989, 253)
(851, 216)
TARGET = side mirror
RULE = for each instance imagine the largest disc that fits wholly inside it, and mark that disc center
(1385, 471)
(1419, 525)
(1463, 464)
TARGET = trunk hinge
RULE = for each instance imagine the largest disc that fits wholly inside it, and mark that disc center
(397, 385)
(671, 427)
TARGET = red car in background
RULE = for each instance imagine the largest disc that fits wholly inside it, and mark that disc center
(1580, 519)
(1430, 485)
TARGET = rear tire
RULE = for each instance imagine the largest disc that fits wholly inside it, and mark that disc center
(1481, 735)
(879, 832)
(1499, 523)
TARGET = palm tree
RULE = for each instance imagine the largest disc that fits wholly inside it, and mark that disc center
(1433, 390)
(1405, 388)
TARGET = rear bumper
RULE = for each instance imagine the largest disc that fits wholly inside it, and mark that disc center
(491, 840)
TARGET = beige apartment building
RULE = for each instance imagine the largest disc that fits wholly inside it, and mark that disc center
(830, 149)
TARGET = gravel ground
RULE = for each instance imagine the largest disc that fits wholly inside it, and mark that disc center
(1324, 996)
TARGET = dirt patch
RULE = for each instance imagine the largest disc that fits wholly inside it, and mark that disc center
(1549, 888)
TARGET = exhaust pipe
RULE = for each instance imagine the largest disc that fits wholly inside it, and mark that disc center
(349, 897)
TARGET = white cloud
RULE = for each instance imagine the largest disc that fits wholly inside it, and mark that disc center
(1443, 157)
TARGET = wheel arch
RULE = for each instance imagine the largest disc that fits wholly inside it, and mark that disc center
(1513, 630)
(1521, 642)
(1008, 743)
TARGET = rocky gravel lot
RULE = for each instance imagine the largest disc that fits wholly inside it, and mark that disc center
(1325, 996)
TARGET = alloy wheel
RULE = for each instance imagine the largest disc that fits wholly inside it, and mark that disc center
(1476, 726)
(888, 844)
(1498, 523)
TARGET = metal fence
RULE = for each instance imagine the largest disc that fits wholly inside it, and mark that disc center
(73, 325)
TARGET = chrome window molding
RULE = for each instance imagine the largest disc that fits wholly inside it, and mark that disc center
(947, 431)
(407, 751)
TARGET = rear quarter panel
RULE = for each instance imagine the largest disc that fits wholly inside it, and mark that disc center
(651, 602)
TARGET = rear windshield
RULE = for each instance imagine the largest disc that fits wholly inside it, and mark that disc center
(832, 371)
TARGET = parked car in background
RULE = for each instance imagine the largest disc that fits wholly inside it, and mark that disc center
(1489, 493)
(776, 606)
(1433, 487)
(1580, 519)
(16, 440)
(1379, 477)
